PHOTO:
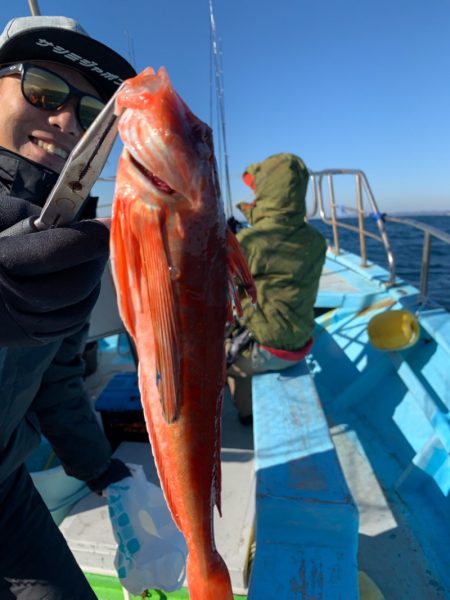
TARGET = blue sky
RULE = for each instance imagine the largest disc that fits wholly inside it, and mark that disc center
(342, 83)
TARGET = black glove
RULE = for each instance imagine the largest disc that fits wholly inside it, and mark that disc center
(13, 210)
(234, 225)
(116, 471)
(49, 280)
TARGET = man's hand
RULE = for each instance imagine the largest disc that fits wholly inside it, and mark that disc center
(49, 280)
(115, 471)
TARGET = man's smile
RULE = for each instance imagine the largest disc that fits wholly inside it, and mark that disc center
(50, 147)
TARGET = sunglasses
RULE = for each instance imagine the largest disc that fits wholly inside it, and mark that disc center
(44, 89)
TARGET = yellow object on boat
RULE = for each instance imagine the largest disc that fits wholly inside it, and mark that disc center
(367, 588)
(393, 330)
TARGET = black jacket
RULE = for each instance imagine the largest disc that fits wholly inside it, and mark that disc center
(41, 386)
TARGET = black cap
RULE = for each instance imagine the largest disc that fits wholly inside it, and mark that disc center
(63, 40)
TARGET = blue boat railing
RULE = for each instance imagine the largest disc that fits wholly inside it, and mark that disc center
(366, 206)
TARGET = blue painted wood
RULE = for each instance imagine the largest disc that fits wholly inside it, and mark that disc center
(437, 323)
(350, 289)
(397, 403)
(306, 519)
(361, 286)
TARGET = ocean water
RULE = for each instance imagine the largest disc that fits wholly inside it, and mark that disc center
(406, 246)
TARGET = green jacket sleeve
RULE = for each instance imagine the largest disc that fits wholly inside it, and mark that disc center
(65, 414)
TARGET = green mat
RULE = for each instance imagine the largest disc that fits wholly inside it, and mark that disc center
(108, 588)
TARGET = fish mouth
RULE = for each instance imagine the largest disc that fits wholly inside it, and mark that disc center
(158, 183)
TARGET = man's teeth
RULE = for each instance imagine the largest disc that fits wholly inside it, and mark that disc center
(52, 149)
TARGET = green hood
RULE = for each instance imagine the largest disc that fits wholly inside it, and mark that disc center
(281, 182)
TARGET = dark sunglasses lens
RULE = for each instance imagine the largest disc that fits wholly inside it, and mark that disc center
(88, 109)
(44, 89)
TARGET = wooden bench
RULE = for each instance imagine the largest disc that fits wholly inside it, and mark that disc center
(306, 519)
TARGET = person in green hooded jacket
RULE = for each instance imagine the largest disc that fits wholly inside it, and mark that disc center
(285, 256)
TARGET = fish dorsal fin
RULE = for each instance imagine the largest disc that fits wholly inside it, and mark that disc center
(158, 289)
(237, 269)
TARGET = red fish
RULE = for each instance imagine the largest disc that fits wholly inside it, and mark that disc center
(172, 255)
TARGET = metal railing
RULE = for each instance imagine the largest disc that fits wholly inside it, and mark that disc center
(428, 233)
(365, 206)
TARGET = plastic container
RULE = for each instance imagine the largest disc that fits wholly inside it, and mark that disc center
(393, 330)
(121, 410)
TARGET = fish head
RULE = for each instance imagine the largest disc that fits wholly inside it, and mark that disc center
(170, 147)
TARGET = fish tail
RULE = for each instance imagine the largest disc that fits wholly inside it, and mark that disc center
(208, 580)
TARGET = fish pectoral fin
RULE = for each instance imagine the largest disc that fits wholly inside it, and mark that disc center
(162, 310)
(237, 269)
(120, 270)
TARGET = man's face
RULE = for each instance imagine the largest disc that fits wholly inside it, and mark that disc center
(44, 136)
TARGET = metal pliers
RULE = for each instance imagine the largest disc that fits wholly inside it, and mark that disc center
(78, 176)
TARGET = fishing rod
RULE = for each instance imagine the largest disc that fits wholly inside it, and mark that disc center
(218, 71)
(34, 7)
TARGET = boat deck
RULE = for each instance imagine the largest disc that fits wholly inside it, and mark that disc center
(387, 416)
(388, 551)
(345, 283)
(386, 419)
